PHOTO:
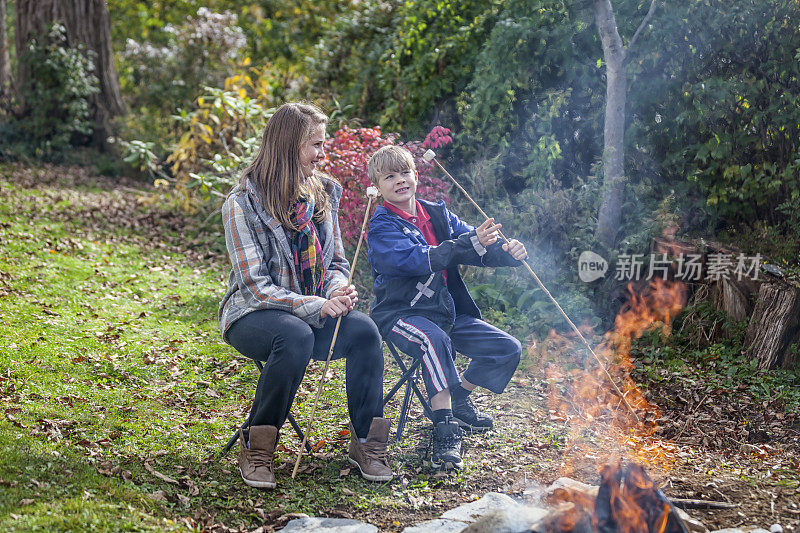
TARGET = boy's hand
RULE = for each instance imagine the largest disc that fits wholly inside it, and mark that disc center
(488, 232)
(516, 249)
(349, 291)
(335, 307)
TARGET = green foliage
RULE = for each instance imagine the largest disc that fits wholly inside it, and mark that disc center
(396, 62)
(720, 107)
(167, 72)
(167, 51)
(56, 111)
(706, 343)
(221, 133)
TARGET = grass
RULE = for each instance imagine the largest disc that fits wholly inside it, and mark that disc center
(118, 393)
(112, 368)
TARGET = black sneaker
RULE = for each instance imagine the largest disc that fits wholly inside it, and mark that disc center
(446, 453)
(469, 418)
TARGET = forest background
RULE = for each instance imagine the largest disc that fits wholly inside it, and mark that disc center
(711, 125)
(511, 94)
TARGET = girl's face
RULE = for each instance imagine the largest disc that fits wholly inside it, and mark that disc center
(312, 150)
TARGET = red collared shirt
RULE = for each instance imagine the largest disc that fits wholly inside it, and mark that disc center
(422, 220)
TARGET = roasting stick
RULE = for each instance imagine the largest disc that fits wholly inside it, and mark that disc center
(372, 193)
(429, 156)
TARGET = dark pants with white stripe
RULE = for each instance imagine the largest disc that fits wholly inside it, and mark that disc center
(286, 344)
(494, 354)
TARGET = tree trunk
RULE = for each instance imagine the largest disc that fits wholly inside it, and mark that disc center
(774, 326)
(87, 23)
(616, 58)
(5, 60)
(614, 128)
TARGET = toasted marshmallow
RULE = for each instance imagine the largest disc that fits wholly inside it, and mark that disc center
(429, 156)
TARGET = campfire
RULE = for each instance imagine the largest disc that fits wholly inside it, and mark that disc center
(627, 500)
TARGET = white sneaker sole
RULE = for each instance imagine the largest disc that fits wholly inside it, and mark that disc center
(257, 484)
(473, 429)
(369, 477)
(447, 465)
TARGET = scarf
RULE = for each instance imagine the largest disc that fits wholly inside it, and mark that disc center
(306, 248)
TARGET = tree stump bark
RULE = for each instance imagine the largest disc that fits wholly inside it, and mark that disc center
(735, 297)
(774, 326)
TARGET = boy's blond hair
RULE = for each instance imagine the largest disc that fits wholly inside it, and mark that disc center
(390, 158)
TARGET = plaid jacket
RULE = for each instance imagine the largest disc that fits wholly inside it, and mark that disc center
(262, 267)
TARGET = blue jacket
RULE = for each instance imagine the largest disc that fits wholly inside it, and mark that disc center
(408, 271)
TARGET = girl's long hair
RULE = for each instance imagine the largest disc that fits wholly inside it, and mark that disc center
(275, 171)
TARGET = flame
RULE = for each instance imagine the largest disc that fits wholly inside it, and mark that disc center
(584, 398)
(627, 502)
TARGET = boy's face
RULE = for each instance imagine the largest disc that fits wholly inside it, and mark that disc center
(398, 187)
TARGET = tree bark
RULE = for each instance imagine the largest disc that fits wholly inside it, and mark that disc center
(87, 23)
(734, 297)
(614, 128)
(774, 326)
(616, 58)
(5, 60)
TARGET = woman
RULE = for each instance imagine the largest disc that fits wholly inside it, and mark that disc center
(287, 286)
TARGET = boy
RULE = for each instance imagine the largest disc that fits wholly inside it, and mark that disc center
(422, 305)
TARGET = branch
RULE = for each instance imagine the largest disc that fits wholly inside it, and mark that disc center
(644, 23)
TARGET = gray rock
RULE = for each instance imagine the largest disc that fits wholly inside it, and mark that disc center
(729, 530)
(507, 520)
(440, 525)
(776, 528)
(328, 525)
(491, 501)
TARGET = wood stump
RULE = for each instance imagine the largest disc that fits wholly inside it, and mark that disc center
(774, 327)
(735, 297)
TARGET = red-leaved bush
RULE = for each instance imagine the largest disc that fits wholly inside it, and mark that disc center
(346, 158)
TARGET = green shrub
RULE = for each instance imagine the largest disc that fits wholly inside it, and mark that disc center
(56, 112)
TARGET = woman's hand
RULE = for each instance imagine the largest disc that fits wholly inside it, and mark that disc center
(488, 232)
(516, 249)
(349, 291)
(335, 307)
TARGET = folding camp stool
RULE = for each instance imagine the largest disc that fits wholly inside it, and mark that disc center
(409, 378)
(292, 421)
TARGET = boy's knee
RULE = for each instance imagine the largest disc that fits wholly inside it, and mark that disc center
(514, 351)
(513, 346)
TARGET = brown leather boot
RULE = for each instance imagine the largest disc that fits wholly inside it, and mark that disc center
(255, 461)
(370, 457)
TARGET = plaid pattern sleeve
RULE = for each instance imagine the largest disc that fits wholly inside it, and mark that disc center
(339, 270)
(262, 284)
